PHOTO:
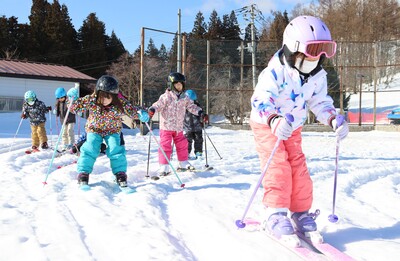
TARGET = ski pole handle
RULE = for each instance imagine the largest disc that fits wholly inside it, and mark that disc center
(289, 118)
(339, 120)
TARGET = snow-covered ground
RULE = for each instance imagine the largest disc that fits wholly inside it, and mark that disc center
(162, 221)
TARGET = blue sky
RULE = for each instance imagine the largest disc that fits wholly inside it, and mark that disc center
(127, 17)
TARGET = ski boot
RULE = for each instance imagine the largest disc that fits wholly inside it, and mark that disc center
(83, 179)
(120, 178)
(280, 227)
(185, 166)
(304, 222)
(35, 149)
(74, 149)
(164, 170)
(279, 224)
(44, 145)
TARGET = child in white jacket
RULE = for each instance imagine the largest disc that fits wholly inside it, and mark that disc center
(293, 83)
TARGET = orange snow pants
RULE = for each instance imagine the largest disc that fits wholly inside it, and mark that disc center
(287, 182)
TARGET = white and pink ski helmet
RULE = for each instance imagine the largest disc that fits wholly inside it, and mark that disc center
(309, 35)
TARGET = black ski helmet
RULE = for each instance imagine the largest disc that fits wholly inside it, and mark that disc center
(175, 77)
(108, 84)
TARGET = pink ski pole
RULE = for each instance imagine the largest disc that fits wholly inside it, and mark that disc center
(240, 222)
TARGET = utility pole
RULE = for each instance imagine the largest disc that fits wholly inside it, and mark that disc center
(253, 46)
(249, 14)
(179, 53)
(360, 100)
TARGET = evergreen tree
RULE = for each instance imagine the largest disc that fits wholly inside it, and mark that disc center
(152, 50)
(196, 43)
(61, 34)
(115, 48)
(173, 54)
(215, 29)
(163, 53)
(13, 38)
(38, 37)
(200, 27)
(231, 35)
(278, 27)
(230, 27)
(93, 44)
(196, 50)
(247, 33)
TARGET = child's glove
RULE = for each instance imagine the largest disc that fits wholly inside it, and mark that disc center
(281, 128)
(24, 116)
(48, 108)
(143, 116)
(340, 126)
(204, 118)
(73, 94)
(151, 112)
(55, 111)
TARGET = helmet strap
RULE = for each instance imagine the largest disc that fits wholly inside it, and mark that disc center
(289, 56)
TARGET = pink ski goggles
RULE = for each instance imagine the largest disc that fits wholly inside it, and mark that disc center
(314, 49)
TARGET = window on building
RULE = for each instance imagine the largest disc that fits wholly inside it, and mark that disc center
(11, 104)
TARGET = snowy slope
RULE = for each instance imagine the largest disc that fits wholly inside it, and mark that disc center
(162, 221)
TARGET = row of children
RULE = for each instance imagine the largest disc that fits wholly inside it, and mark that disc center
(105, 108)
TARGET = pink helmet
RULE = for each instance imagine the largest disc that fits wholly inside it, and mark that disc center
(309, 35)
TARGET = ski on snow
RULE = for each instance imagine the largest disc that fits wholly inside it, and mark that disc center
(30, 151)
(180, 170)
(328, 250)
(303, 246)
(68, 164)
(110, 185)
(195, 170)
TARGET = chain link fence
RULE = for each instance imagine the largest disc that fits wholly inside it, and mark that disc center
(362, 75)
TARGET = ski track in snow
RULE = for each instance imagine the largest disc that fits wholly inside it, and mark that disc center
(196, 222)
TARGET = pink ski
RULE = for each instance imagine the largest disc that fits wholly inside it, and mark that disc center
(30, 151)
(328, 250)
(301, 251)
(65, 165)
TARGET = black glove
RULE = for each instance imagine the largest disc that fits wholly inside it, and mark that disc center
(48, 108)
(203, 117)
(151, 112)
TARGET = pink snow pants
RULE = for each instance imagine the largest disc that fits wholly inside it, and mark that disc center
(181, 145)
(287, 183)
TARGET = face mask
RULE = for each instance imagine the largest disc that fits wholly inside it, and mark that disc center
(307, 66)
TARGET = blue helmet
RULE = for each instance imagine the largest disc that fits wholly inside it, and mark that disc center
(30, 97)
(191, 94)
(60, 92)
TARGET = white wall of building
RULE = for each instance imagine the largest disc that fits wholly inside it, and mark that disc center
(44, 89)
